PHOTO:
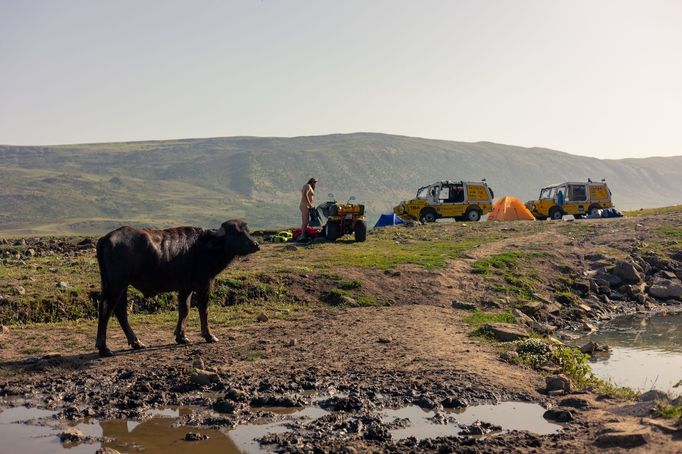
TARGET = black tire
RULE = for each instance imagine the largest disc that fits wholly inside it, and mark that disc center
(332, 230)
(556, 214)
(473, 215)
(360, 230)
(428, 215)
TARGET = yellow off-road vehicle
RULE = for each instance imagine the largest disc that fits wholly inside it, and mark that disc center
(460, 200)
(573, 198)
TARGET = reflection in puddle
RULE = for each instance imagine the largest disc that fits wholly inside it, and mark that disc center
(646, 352)
(159, 434)
(508, 415)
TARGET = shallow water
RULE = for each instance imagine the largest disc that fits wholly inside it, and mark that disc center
(646, 351)
(508, 415)
(22, 431)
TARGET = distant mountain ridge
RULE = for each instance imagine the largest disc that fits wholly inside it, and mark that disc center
(94, 187)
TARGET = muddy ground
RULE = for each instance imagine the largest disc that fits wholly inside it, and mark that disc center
(409, 346)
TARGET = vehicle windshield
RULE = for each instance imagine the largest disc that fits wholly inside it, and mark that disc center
(422, 192)
(546, 193)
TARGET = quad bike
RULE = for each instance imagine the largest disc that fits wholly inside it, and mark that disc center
(343, 219)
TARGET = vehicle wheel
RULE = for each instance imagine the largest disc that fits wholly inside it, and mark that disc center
(428, 216)
(360, 229)
(332, 230)
(556, 214)
(473, 215)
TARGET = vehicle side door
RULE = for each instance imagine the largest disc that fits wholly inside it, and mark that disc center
(576, 199)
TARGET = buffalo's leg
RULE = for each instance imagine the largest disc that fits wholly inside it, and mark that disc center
(105, 309)
(202, 303)
(121, 311)
(184, 301)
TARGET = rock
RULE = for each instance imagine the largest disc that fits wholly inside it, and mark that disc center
(506, 332)
(531, 307)
(627, 272)
(19, 290)
(455, 402)
(521, 317)
(107, 451)
(653, 395)
(193, 436)
(290, 342)
(510, 356)
(4, 329)
(558, 415)
(71, 435)
(226, 406)
(463, 305)
(425, 402)
(574, 402)
(491, 304)
(622, 439)
(557, 383)
(384, 340)
(552, 308)
(290, 247)
(542, 328)
(31, 252)
(203, 377)
(198, 363)
(62, 284)
(581, 287)
(262, 317)
(666, 288)
(592, 347)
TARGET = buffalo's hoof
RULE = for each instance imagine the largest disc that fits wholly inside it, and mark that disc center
(137, 345)
(211, 339)
(105, 352)
(182, 340)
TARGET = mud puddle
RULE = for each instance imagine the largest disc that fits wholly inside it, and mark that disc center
(646, 351)
(476, 420)
(31, 430)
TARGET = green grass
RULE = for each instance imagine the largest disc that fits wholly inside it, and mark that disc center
(479, 318)
(503, 261)
(350, 284)
(510, 273)
(653, 211)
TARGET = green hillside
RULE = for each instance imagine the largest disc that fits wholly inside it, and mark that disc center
(91, 188)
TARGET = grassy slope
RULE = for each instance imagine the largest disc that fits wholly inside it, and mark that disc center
(94, 187)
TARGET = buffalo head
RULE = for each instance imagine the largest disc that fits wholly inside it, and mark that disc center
(236, 239)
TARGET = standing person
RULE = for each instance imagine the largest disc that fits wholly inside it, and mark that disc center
(307, 197)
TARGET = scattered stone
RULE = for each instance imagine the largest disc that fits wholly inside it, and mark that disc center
(510, 356)
(198, 363)
(479, 428)
(290, 247)
(290, 343)
(193, 436)
(622, 439)
(558, 415)
(107, 451)
(71, 435)
(203, 377)
(19, 290)
(31, 252)
(666, 288)
(553, 308)
(463, 305)
(491, 304)
(585, 308)
(627, 272)
(455, 402)
(521, 317)
(62, 284)
(384, 340)
(393, 273)
(506, 332)
(262, 317)
(592, 347)
(425, 402)
(51, 355)
(542, 328)
(531, 307)
(574, 402)
(226, 406)
(557, 383)
(4, 329)
(653, 395)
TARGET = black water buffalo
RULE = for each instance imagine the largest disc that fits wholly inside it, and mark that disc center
(182, 259)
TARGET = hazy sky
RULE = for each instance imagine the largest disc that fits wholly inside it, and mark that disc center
(599, 78)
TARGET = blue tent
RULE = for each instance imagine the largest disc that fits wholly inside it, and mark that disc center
(388, 219)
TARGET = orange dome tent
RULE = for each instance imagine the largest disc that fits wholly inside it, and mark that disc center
(510, 208)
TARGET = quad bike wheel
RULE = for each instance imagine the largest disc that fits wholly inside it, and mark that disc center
(360, 230)
(332, 230)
